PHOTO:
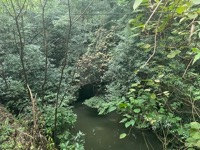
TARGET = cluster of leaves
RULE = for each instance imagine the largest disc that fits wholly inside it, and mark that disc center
(166, 98)
(153, 72)
(55, 51)
(194, 138)
(32, 42)
(6, 135)
(148, 68)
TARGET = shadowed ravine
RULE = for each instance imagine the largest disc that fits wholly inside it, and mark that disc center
(102, 132)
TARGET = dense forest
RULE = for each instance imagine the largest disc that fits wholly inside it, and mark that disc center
(138, 58)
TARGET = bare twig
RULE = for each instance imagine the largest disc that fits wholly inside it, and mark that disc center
(152, 14)
(83, 11)
(154, 50)
(187, 68)
(33, 102)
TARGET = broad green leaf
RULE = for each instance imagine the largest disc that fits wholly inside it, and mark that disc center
(196, 57)
(192, 15)
(166, 93)
(123, 120)
(136, 4)
(137, 110)
(127, 124)
(198, 144)
(197, 98)
(181, 9)
(147, 90)
(134, 84)
(173, 54)
(140, 26)
(132, 90)
(195, 50)
(196, 2)
(127, 115)
(157, 81)
(196, 135)
(112, 109)
(153, 96)
(130, 123)
(146, 46)
(122, 105)
(123, 135)
(195, 125)
(164, 24)
(182, 19)
(102, 111)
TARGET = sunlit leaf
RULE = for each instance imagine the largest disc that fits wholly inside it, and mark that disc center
(182, 19)
(197, 98)
(153, 96)
(164, 24)
(157, 81)
(123, 120)
(134, 84)
(181, 9)
(152, 121)
(196, 136)
(137, 4)
(146, 46)
(196, 2)
(132, 90)
(127, 115)
(166, 93)
(192, 15)
(173, 54)
(137, 110)
(196, 57)
(147, 90)
(123, 135)
(195, 50)
(102, 111)
(122, 105)
(112, 109)
(198, 143)
(130, 123)
(195, 125)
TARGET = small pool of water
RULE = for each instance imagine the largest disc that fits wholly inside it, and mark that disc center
(102, 132)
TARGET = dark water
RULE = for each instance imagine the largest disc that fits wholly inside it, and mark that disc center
(102, 132)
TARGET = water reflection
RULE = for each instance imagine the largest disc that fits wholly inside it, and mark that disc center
(102, 132)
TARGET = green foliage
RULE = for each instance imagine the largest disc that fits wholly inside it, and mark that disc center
(145, 63)
(194, 138)
(173, 54)
(77, 141)
(6, 132)
(197, 56)
(13, 136)
(137, 3)
(123, 135)
(66, 120)
(100, 103)
(162, 91)
(94, 102)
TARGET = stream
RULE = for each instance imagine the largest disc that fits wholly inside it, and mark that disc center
(102, 132)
